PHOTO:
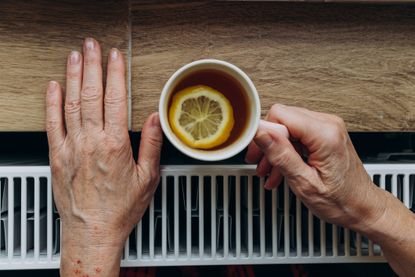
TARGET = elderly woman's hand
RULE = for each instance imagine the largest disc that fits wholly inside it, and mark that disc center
(99, 190)
(332, 181)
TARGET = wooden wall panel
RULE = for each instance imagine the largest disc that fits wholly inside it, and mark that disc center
(357, 61)
(35, 38)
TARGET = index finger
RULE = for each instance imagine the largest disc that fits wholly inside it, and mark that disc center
(309, 127)
(55, 126)
(254, 154)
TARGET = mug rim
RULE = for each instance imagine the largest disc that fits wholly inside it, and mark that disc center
(246, 138)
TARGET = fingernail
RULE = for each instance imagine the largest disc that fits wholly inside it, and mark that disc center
(89, 44)
(52, 86)
(155, 121)
(263, 140)
(74, 57)
(114, 54)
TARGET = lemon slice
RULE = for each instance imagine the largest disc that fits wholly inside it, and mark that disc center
(201, 117)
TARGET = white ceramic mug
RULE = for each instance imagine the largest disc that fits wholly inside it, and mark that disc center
(251, 94)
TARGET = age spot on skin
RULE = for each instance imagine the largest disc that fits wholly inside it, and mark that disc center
(77, 271)
(96, 230)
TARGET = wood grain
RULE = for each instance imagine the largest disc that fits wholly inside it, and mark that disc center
(357, 61)
(35, 37)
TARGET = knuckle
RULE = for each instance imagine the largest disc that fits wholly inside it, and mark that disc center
(72, 106)
(117, 130)
(309, 190)
(155, 142)
(333, 138)
(92, 59)
(73, 74)
(89, 146)
(338, 122)
(114, 96)
(281, 159)
(52, 125)
(116, 144)
(90, 93)
(275, 108)
(115, 70)
(336, 134)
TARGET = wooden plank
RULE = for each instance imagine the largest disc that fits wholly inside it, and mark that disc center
(35, 37)
(357, 61)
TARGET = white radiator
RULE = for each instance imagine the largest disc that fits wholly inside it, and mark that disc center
(200, 215)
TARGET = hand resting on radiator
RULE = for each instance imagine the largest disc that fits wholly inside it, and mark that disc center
(99, 190)
(321, 167)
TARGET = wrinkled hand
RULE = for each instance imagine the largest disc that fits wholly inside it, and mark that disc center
(332, 181)
(99, 190)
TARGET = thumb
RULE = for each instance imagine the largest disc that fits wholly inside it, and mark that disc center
(150, 148)
(280, 153)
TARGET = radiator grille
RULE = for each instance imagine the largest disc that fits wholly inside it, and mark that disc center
(199, 215)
